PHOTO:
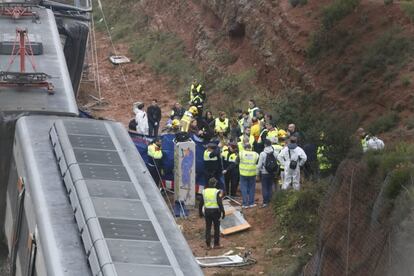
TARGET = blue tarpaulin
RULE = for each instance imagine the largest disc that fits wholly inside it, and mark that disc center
(141, 142)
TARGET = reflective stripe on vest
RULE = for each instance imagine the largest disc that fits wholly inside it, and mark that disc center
(322, 160)
(233, 157)
(207, 156)
(210, 198)
(154, 151)
(248, 160)
(185, 121)
(252, 110)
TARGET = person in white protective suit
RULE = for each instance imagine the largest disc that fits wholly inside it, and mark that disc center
(141, 118)
(292, 157)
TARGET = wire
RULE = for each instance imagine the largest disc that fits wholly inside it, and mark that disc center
(113, 48)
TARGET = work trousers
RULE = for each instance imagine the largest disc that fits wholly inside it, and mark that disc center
(231, 179)
(153, 129)
(212, 216)
(248, 189)
(155, 174)
(267, 187)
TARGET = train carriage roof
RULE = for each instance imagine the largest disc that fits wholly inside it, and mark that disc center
(125, 224)
(48, 58)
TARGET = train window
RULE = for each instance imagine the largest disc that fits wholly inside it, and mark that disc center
(32, 255)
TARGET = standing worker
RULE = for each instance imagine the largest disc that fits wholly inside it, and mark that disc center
(154, 163)
(267, 168)
(197, 96)
(292, 157)
(141, 118)
(154, 118)
(247, 167)
(213, 210)
(231, 169)
(212, 163)
(252, 109)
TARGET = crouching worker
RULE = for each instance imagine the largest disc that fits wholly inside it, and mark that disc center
(213, 210)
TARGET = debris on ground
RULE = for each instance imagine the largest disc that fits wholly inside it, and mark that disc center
(119, 60)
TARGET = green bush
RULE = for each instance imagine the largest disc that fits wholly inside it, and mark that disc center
(399, 178)
(410, 123)
(385, 56)
(388, 2)
(406, 81)
(295, 3)
(384, 123)
(297, 211)
(337, 11)
(408, 8)
(165, 53)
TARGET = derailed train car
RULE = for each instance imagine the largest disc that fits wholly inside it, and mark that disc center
(66, 168)
(76, 198)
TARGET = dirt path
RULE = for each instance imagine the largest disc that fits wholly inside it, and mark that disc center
(144, 86)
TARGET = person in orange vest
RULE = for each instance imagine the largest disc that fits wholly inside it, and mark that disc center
(213, 209)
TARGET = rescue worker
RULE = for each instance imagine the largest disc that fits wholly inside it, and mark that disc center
(252, 108)
(212, 163)
(155, 160)
(173, 127)
(154, 118)
(221, 124)
(269, 132)
(197, 96)
(323, 161)
(141, 118)
(231, 169)
(245, 121)
(177, 111)
(245, 136)
(213, 210)
(187, 117)
(267, 177)
(255, 133)
(369, 142)
(292, 157)
(247, 161)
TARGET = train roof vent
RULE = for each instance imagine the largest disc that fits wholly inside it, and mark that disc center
(8, 42)
(120, 233)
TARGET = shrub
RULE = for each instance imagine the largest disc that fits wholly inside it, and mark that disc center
(295, 3)
(406, 81)
(408, 8)
(390, 49)
(165, 53)
(297, 211)
(337, 11)
(410, 123)
(397, 180)
(384, 123)
(388, 2)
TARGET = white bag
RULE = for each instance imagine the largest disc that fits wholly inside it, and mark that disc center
(374, 143)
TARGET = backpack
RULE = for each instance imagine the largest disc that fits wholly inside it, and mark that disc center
(270, 164)
(293, 163)
(132, 125)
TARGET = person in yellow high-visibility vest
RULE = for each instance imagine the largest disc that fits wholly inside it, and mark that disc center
(187, 118)
(154, 162)
(247, 161)
(213, 210)
(230, 169)
(221, 124)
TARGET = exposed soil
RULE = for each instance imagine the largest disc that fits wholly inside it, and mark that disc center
(140, 84)
(144, 85)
